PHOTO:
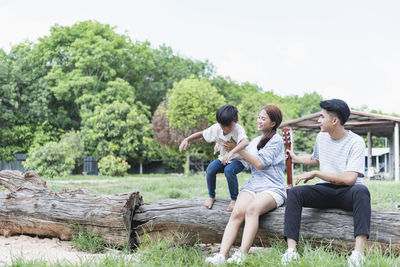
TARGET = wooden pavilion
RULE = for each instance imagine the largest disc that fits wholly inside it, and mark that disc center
(365, 124)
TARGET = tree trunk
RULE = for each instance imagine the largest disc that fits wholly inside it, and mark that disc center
(31, 208)
(187, 169)
(207, 226)
(140, 167)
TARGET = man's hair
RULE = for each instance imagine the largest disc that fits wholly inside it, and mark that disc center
(227, 114)
(338, 107)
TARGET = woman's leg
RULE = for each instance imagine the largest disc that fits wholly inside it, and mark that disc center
(236, 219)
(263, 203)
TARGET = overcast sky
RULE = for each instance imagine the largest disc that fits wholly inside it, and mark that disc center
(340, 49)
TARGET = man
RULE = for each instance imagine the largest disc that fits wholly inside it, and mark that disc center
(340, 156)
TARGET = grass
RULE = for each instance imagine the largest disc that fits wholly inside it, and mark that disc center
(86, 241)
(166, 252)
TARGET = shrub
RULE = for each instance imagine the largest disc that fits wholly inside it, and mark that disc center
(56, 159)
(113, 166)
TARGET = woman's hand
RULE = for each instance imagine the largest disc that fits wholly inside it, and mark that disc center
(231, 144)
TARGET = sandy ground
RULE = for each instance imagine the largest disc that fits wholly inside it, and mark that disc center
(50, 250)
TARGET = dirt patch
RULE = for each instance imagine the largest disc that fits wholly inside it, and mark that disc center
(50, 250)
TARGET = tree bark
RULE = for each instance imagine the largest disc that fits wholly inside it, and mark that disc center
(200, 224)
(31, 208)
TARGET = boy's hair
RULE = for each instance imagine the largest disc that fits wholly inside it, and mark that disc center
(227, 114)
(338, 107)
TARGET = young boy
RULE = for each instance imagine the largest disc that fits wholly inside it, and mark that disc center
(230, 163)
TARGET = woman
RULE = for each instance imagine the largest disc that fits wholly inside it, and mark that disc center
(265, 189)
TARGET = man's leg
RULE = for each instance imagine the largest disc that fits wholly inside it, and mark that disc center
(211, 172)
(231, 170)
(357, 198)
(313, 196)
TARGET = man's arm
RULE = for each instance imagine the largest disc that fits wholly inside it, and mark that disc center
(185, 143)
(305, 159)
(342, 178)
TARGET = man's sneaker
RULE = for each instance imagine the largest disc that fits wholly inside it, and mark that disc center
(356, 259)
(237, 257)
(217, 259)
(289, 256)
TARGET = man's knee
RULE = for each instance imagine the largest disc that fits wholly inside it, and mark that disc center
(360, 190)
(296, 192)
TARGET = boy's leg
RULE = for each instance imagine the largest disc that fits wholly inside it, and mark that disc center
(211, 172)
(231, 171)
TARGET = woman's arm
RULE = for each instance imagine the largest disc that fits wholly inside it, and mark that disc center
(242, 145)
(252, 159)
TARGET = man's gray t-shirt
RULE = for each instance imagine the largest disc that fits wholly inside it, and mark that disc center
(336, 156)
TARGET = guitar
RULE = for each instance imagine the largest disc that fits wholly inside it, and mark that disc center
(288, 146)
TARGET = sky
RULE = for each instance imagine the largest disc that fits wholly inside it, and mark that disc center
(339, 49)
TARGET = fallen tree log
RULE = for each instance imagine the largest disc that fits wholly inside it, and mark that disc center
(31, 208)
(121, 219)
(199, 224)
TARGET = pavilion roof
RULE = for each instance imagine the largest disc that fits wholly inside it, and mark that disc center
(358, 122)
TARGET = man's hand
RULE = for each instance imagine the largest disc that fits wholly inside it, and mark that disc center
(307, 176)
(184, 145)
(292, 155)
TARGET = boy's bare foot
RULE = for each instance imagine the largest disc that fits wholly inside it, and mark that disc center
(231, 205)
(209, 203)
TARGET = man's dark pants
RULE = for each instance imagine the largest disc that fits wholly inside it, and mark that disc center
(354, 198)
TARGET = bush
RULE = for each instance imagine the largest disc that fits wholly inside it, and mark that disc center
(56, 159)
(113, 166)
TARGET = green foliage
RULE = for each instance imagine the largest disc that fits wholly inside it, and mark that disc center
(121, 129)
(56, 159)
(113, 166)
(192, 104)
(233, 92)
(88, 242)
(251, 106)
(158, 69)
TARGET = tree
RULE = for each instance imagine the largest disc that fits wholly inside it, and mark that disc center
(25, 100)
(120, 129)
(307, 104)
(251, 105)
(158, 70)
(191, 106)
(234, 92)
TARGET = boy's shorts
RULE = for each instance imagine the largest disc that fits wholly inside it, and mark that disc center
(279, 200)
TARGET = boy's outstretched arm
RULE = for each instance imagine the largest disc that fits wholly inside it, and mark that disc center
(185, 143)
(240, 146)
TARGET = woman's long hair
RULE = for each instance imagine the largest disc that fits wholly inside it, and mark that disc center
(275, 115)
